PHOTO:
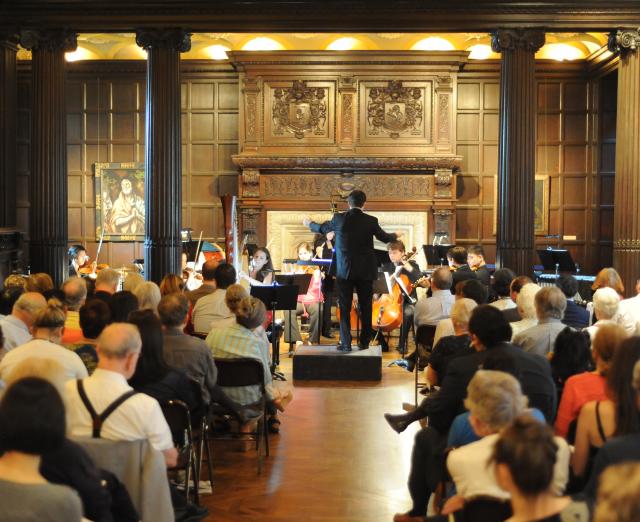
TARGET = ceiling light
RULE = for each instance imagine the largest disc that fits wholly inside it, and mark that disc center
(262, 43)
(343, 44)
(433, 43)
(560, 52)
(480, 52)
(217, 52)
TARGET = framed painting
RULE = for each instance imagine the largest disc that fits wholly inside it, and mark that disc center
(540, 205)
(120, 205)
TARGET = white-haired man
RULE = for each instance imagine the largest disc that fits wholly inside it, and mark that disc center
(136, 415)
(16, 327)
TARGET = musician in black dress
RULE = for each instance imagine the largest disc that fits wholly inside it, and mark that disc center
(397, 252)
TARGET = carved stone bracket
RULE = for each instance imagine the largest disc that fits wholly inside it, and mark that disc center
(9, 40)
(624, 41)
(512, 39)
(442, 224)
(443, 179)
(175, 39)
(251, 89)
(250, 181)
(51, 40)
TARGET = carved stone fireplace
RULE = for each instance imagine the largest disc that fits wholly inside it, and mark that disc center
(317, 125)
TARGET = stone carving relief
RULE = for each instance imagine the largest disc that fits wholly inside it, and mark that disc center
(249, 224)
(347, 115)
(299, 109)
(443, 178)
(250, 183)
(442, 224)
(394, 110)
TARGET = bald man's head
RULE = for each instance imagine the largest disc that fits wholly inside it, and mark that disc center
(119, 340)
(28, 305)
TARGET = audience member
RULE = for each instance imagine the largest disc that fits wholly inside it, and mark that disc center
(511, 314)
(39, 282)
(501, 287)
(148, 294)
(170, 284)
(132, 281)
(153, 375)
(212, 307)
(471, 289)
(75, 294)
(527, 457)
(618, 499)
(526, 305)
(575, 315)
(489, 331)
(138, 416)
(462, 272)
(31, 425)
(631, 308)
(15, 281)
(605, 307)
(609, 278)
(121, 305)
(550, 306)
(94, 318)
(431, 310)
(571, 362)
(208, 282)
(452, 346)
(8, 298)
(615, 417)
(107, 283)
(16, 327)
(477, 263)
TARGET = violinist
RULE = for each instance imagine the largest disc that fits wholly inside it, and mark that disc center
(475, 260)
(461, 270)
(260, 268)
(397, 258)
(323, 247)
(308, 304)
(78, 259)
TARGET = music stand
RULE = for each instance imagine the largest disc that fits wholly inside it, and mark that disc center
(555, 260)
(436, 254)
(302, 282)
(276, 297)
(382, 257)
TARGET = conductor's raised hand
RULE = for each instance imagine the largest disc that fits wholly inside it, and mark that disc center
(306, 221)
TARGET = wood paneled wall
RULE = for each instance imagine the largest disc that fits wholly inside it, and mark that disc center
(569, 150)
(105, 123)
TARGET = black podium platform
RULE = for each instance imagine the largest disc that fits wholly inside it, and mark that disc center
(326, 363)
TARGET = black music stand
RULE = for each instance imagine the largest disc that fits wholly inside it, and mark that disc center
(436, 254)
(301, 282)
(556, 260)
(276, 297)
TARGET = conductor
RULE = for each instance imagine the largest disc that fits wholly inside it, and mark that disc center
(355, 262)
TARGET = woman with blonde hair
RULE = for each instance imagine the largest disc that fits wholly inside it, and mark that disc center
(171, 284)
(148, 294)
(39, 282)
(47, 335)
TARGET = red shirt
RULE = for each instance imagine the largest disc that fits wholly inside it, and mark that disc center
(578, 390)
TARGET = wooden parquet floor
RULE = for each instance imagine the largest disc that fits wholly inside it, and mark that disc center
(335, 459)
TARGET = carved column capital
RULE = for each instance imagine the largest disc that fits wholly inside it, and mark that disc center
(443, 181)
(173, 39)
(61, 40)
(512, 39)
(624, 41)
(9, 40)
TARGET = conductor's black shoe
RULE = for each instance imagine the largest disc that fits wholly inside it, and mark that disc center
(343, 348)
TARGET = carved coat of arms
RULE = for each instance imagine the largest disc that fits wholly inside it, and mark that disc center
(394, 110)
(299, 109)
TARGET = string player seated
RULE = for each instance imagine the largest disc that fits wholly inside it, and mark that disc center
(397, 258)
(477, 263)
(308, 303)
(323, 247)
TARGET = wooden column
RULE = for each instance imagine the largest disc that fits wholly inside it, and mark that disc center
(626, 218)
(163, 184)
(48, 183)
(516, 150)
(8, 102)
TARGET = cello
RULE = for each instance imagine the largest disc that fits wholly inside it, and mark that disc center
(386, 314)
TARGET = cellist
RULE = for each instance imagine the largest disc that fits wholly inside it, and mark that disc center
(397, 258)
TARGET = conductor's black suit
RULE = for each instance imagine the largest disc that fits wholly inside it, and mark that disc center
(355, 265)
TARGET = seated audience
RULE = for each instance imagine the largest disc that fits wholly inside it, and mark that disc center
(609, 278)
(461, 271)
(570, 365)
(107, 282)
(494, 400)
(75, 294)
(526, 458)
(526, 305)
(512, 315)
(471, 289)
(121, 305)
(623, 448)
(132, 281)
(630, 307)
(605, 307)
(575, 315)
(138, 417)
(8, 298)
(616, 417)
(170, 284)
(431, 310)
(148, 295)
(208, 285)
(153, 375)
(452, 346)
(39, 282)
(94, 318)
(501, 289)
(15, 281)
(32, 425)
(490, 332)
(16, 327)
(550, 306)
(618, 499)
(477, 263)
(47, 330)
(234, 294)
(212, 307)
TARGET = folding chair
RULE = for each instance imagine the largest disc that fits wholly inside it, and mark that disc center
(245, 372)
(424, 344)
